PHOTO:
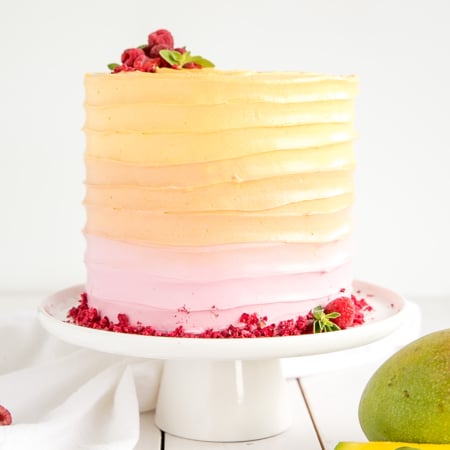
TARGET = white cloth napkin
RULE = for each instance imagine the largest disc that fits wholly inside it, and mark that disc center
(63, 397)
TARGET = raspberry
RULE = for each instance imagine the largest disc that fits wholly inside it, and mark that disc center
(345, 306)
(130, 55)
(161, 37)
(5, 416)
(147, 58)
(148, 51)
(154, 51)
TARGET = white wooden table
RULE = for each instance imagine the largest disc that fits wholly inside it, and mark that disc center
(324, 402)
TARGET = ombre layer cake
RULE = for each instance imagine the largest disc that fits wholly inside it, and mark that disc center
(213, 193)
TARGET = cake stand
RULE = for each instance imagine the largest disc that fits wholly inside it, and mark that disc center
(225, 390)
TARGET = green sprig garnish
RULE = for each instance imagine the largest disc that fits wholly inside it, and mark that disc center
(322, 322)
(112, 66)
(177, 59)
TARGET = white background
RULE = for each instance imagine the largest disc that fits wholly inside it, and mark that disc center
(399, 48)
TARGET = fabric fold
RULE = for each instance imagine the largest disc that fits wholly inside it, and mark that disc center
(64, 397)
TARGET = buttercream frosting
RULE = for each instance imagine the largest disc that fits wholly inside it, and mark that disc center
(207, 188)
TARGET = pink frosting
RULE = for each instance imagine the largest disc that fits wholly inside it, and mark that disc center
(213, 263)
(205, 287)
(213, 318)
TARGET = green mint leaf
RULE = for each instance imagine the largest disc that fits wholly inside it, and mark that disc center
(201, 61)
(142, 46)
(173, 57)
(185, 58)
(112, 66)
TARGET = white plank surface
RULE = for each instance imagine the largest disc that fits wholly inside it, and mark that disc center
(333, 399)
(332, 396)
(300, 436)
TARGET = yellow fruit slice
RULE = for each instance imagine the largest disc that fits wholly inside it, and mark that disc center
(389, 446)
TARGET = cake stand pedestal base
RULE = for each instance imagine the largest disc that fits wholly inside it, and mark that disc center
(223, 401)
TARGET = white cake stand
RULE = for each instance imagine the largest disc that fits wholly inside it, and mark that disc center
(225, 390)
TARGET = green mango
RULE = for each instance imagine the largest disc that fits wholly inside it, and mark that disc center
(408, 398)
(388, 446)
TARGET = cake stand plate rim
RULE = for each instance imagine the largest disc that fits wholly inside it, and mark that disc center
(388, 315)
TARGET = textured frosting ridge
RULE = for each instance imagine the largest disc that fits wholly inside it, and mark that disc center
(217, 188)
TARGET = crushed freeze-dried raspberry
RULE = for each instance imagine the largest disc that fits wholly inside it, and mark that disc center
(361, 306)
(123, 68)
(192, 65)
(252, 325)
(145, 64)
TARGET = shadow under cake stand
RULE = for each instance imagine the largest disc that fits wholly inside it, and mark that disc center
(225, 390)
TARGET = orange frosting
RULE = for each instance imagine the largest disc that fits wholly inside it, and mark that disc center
(205, 157)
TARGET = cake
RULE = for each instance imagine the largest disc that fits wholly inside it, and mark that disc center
(211, 194)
